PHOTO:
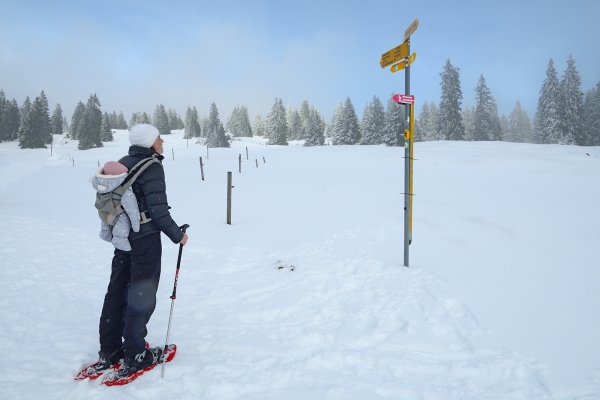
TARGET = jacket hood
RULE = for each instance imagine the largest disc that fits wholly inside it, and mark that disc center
(107, 183)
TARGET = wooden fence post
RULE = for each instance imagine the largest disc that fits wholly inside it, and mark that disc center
(264, 161)
(240, 163)
(246, 152)
(229, 186)
(256, 159)
(201, 168)
(173, 151)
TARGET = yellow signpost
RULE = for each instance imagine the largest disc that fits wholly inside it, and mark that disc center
(396, 54)
(403, 64)
(402, 59)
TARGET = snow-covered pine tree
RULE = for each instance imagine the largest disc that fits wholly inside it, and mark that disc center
(90, 135)
(483, 115)
(295, 126)
(215, 132)
(449, 124)
(468, 120)
(3, 102)
(161, 120)
(393, 126)
(304, 113)
(337, 129)
(11, 121)
(76, 121)
(259, 125)
(420, 123)
(121, 123)
(134, 120)
(313, 135)
(191, 125)
(520, 129)
(112, 120)
(106, 134)
(592, 115)
(231, 125)
(433, 131)
(56, 121)
(25, 108)
(65, 125)
(351, 124)
(46, 118)
(277, 130)
(496, 126)
(245, 130)
(504, 127)
(145, 119)
(373, 123)
(572, 110)
(203, 123)
(31, 132)
(548, 124)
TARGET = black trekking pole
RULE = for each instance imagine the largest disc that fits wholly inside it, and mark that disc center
(173, 297)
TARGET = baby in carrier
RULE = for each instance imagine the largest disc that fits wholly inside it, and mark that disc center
(115, 228)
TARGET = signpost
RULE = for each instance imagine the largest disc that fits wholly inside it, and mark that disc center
(402, 53)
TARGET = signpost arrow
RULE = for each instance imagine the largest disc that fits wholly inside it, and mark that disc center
(401, 65)
(396, 54)
(404, 99)
(410, 30)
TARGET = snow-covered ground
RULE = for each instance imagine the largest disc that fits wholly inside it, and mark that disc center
(304, 296)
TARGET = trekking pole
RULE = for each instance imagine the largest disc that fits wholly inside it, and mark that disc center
(173, 297)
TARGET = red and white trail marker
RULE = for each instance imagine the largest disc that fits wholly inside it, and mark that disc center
(404, 99)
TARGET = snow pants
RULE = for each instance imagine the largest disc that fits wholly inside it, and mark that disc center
(131, 296)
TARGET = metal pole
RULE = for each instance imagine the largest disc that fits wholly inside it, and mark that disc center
(407, 162)
(229, 181)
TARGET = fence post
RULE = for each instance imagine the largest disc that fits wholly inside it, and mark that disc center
(256, 159)
(264, 161)
(229, 186)
(173, 151)
(240, 163)
(246, 152)
(201, 168)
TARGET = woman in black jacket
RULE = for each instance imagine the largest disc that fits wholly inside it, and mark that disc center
(131, 295)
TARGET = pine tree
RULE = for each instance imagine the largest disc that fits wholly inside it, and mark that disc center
(31, 132)
(11, 121)
(313, 135)
(450, 125)
(468, 120)
(244, 122)
(215, 132)
(76, 121)
(46, 118)
(505, 128)
(90, 135)
(304, 114)
(112, 120)
(296, 128)
(25, 108)
(572, 111)
(121, 123)
(434, 125)
(161, 120)
(373, 123)
(337, 126)
(394, 124)
(421, 122)
(106, 134)
(592, 115)
(519, 129)
(192, 125)
(259, 125)
(56, 121)
(277, 129)
(3, 103)
(548, 124)
(351, 124)
(65, 125)
(483, 116)
(134, 120)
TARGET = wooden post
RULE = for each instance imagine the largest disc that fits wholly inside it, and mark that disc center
(264, 161)
(73, 161)
(240, 163)
(173, 151)
(188, 142)
(256, 159)
(229, 186)
(246, 152)
(201, 168)
(98, 162)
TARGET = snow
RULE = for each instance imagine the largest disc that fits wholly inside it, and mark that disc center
(304, 295)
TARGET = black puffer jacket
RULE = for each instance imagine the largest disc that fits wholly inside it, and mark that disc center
(150, 190)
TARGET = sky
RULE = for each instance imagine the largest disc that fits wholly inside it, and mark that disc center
(136, 54)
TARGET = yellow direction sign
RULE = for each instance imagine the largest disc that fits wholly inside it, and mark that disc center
(409, 31)
(401, 65)
(396, 54)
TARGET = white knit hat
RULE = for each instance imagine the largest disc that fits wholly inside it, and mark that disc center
(143, 135)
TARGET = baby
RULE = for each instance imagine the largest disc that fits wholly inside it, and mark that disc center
(115, 229)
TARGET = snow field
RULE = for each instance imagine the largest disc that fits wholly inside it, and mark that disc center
(304, 295)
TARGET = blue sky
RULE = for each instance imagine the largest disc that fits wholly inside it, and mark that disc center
(136, 54)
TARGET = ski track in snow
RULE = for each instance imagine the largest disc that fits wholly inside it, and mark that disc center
(248, 326)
